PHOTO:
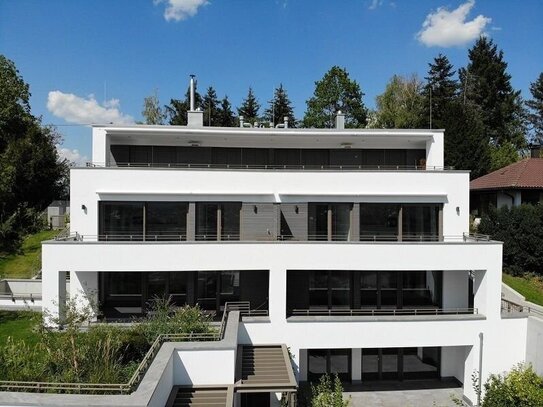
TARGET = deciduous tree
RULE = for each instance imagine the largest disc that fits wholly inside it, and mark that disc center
(31, 172)
(152, 112)
(401, 105)
(336, 92)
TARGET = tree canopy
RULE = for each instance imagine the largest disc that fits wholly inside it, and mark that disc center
(31, 173)
(333, 93)
(152, 112)
(177, 110)
(401, 105)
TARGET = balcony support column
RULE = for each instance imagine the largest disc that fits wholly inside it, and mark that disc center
(356, 365)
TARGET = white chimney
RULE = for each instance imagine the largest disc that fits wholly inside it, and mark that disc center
(195, 118)
(285, 120)
(340, 121)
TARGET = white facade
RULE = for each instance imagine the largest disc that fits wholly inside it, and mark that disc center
(459, 336)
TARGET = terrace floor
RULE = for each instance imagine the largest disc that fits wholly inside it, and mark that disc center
(416, 394)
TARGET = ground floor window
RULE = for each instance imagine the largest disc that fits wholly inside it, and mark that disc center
(400, 363)
(329, 361)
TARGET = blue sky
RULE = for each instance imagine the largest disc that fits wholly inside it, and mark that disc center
(89, 61)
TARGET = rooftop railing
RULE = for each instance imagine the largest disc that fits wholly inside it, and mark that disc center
(126, 388)
(383, 312)
(318, 238)
(299, 167)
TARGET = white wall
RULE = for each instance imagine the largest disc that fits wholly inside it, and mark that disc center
(534, 344)
(455, 289)
(198, 367)
(453, 359)
(89, 185)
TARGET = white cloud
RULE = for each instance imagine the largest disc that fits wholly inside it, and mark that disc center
(178, 10)
(73, 156)
(375, 3)
(444, 28)
(75, 109)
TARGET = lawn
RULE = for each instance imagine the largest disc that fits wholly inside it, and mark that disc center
(27, 263)
(529, 287)
(19, 325)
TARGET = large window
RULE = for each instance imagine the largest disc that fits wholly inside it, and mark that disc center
(329, 289)
(171, 156)
(215, 288)
(394, 289)
(143, 220)
(329, 221)
(329, 361)
(121, 220)
(379, 221)
(409, 222)
(218, 220)
(420, 222)
(166, 221)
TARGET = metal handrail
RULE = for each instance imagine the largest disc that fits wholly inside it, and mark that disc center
(381, 312)
(137, 376)
(21, 296)
(274, 167)
(510, 306)
(315, 238)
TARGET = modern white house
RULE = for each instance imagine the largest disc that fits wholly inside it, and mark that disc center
(352, 246)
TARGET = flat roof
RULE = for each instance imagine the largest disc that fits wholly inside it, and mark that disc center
(265, 137)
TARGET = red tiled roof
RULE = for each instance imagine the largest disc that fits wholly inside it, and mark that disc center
(527, 173)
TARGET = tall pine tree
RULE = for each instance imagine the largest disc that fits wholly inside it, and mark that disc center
(280, 107)
(226, 115)
(249, 108)
(486, 83)
(440, 90)
(535, 110)
(211, 108)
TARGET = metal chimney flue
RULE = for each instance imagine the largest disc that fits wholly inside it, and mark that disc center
(192, 91)
(195, 118)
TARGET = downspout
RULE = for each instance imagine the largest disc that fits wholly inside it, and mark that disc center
(480, 381)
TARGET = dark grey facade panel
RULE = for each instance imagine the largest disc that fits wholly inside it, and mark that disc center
(258, 221)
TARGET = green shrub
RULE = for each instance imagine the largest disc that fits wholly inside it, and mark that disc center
(164, 318)
(521, 230)
(97, 353)
(521, 387)
(326, 394)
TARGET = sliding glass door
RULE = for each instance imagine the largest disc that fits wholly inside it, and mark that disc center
(398, 364)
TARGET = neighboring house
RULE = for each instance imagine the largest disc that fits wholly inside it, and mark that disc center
(516, 184)
(351, 254)
(57, 212)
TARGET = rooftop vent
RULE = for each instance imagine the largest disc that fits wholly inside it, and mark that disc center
(340, 120)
